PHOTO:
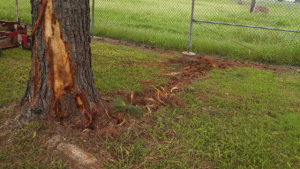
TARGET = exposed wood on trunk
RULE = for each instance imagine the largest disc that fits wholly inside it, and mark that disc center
(61, 80)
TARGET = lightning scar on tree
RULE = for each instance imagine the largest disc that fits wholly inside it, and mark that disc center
(61, 80)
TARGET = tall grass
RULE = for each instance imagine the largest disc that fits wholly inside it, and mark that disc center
(166, 24)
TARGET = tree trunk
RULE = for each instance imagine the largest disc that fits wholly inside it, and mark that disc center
(61, 79)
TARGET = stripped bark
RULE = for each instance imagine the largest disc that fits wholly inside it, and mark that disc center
(61, 79)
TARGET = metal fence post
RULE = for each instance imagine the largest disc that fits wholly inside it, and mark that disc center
(191, 26)
(93, 18)
(252, 7)
(17, 5)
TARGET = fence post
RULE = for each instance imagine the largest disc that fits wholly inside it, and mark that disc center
(191, 26)
(252, 7)
(93, 18)
(17, 10)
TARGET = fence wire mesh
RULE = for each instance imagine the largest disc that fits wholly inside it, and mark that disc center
(266, 13)
(167, 24)
(262, 45)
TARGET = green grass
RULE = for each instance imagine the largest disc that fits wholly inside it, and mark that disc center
(235, 118)
(24, 150)
(166, 24)
(8, 11)
(250, 118)
(114, 68)
(118, 67)
(242, 118)
(15, 64)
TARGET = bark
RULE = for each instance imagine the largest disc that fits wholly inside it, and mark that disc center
(61, 80)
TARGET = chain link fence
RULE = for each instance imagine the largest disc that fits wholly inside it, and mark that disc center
(167, 24)
(275, 38)
(11, 9)
(266, 13)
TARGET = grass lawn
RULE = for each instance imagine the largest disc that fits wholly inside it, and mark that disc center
(109, 66)
(166, 24)
(234, 118)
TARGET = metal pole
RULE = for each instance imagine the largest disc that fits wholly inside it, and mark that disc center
(252, 7)
(191, 26)
(93, 18)
(17, 5)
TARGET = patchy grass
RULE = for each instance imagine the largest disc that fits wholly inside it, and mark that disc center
(235, 118)
(242, 118)
(21, 145)
(114, 68)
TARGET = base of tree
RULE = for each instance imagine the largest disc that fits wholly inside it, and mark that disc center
(73, 117)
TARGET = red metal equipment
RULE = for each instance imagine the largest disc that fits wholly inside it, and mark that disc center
(12, 34)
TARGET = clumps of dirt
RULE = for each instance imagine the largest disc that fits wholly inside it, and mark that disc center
(180, 71)
(188, 68)
(151, 97)
(192, 67)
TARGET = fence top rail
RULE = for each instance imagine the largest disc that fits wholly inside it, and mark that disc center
(248, 26)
